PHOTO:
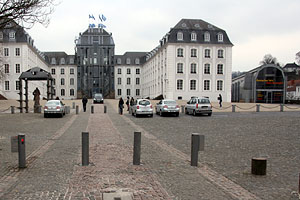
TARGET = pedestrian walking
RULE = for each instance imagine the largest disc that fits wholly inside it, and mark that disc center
(84, 102)
(220, 100)
(121, 106)
(131, 101)
(127, 103)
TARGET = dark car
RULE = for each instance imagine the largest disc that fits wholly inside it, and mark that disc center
(98, 98)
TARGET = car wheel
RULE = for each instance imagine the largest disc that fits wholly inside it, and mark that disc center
(136, 115)
(194, 113)
(45, 115)
(177, 114)
(209, 114)
(151, 115)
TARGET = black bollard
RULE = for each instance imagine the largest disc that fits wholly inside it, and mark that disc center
(92, 109)
(233, 108)
(257, 107)
(137, 148)
(77, 110)
(21, 151)
(259, 166)
(12, 109)
(104, 108)
(195, 149)
(182, 109)
(281, 107)
(85, 148)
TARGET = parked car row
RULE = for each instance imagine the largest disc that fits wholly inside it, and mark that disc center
(195, 106)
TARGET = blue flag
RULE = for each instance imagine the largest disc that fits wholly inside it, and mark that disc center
(92, 25)
(103, 17)
(91, 16)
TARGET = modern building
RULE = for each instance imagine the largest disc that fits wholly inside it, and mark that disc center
(18, 54)
(95, 49)
(63, 70)
(128, 74)
(264, 84)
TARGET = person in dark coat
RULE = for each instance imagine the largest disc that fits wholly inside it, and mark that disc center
(84, 102)
(131, 101)
(127, 103)
(121, 106)
(220, 100)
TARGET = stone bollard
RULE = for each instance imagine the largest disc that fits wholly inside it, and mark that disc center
(233, 108)
(195, 149)
(137, 148)
(73, 105)
(92, 109)
(12, 108)
(257, 107)
(85, 148)
(182, 109)
(259, 166)
(281, 107)
(77, 110)
(21, 151)
(105, 108)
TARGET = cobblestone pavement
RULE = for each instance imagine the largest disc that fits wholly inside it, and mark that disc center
(54, 170)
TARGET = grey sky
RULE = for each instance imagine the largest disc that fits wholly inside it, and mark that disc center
(255, 27)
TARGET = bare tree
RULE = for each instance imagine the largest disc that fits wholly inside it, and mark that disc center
(269, 59)
(26, 12)
(2, 72)
(298, 58)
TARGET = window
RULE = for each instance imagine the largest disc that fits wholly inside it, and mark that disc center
(72, 92)
(53, 61)
(128, 61)
(119, 71)
(193, 85)
(18, 52)
(6, 51)
(62, 92)
(119, 81)
(137, 81)
(1, 35)
(128, 71)
(179, 68)
(12, 35)
(137, 61)
(193, 68)
(71, 70)
(193, 36)
(220, 37)
(179, 84)
(138, 71)
(207, 53)
(193, 52)
(207, 68)
(220, 69)
(119, 92)
(62, 71)
(95, 61)
(206, 84)
(128, 92)
(18, 68)
(54, 81)
(71, 61)
(17, 85)
(128, 81)
(219, 85)
(6, 84)
(137, 92)
(180, 36)
(119, 61)
(6, 68)
(180, 52)
(71, 81)
(53, 71)
(220, 53)
(62, 81)
(206, 37)
(62, 61)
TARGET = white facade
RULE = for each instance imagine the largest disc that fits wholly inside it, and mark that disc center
(20, 58)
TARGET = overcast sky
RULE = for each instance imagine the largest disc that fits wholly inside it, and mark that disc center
(255, 27)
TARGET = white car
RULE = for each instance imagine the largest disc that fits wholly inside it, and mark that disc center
(167, 106)
(198, 105)
(54, 107)
(142, 107)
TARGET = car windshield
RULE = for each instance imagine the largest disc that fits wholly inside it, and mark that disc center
(52, 103)
(170, 102)
(203, 101)
(98, 95)
(144, 103)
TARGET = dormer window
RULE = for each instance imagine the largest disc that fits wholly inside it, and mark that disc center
(137, 61)
(119, 61)
(206, 37)
(71, 61)
(53, 61)
(1, 35)
(220, 37)
(62, 61)
(193, 36)
(128, 61)
(179, 36)
(12, 35)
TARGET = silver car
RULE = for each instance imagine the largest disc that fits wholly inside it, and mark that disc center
(198, 105)
(142, 107)
(54, 107)
(167, 106)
